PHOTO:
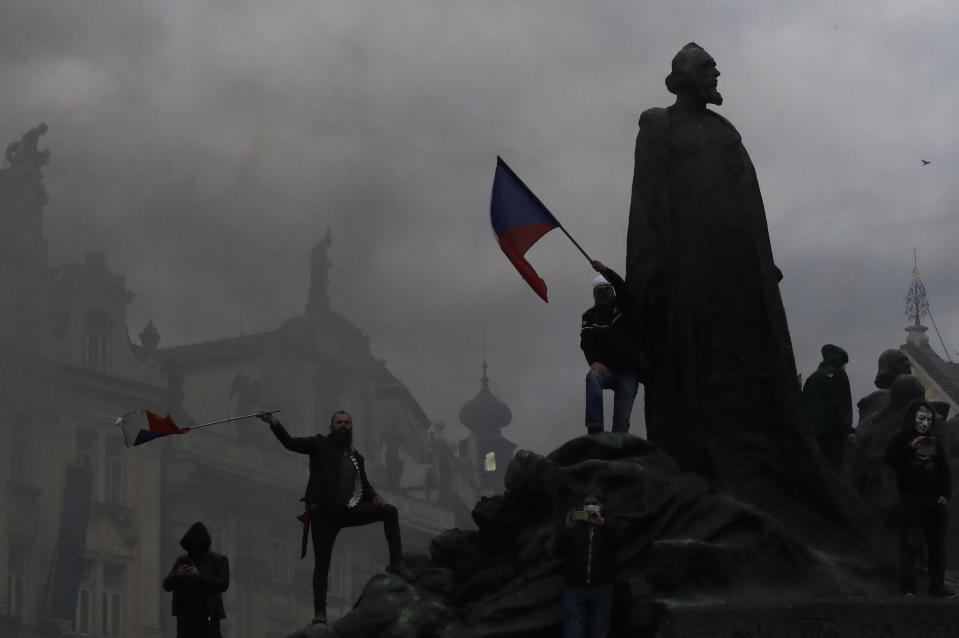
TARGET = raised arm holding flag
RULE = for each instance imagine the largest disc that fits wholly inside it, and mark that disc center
(142, 426)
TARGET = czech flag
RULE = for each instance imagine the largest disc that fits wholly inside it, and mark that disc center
(143, 426)
(519, 219)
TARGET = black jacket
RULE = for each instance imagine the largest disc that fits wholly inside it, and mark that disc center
(325, 463)
(588, 552)
(198, 596)
(827, 404)
(916, 472)
(605, 335)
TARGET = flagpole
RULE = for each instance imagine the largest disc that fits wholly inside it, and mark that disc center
(576, 243)
(236, 418)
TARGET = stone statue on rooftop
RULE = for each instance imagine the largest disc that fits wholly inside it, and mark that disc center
(25, 161)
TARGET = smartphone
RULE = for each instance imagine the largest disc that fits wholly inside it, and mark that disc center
(928, 445)
(580, 515)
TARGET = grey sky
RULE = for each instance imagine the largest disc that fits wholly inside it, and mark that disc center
(205, 147)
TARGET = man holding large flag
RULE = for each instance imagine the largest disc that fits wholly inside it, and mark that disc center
(610, 350)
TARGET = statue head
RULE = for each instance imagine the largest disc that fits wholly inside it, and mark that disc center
(834, 355)
(694, 74)
(892, 363)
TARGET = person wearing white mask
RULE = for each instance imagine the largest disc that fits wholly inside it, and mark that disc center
(925, 486)
(587, 542)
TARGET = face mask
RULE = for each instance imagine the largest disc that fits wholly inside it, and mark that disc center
(592, 508)
(923, 422)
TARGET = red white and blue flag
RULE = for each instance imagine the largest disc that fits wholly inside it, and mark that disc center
(519, 219)
(143, 426)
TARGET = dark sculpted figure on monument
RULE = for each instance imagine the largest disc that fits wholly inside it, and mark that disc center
(699, 261)
(723, 397)
(892, 364)
(25, 161)
(320, 264)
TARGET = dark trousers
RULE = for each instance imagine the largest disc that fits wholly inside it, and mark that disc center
(587, 611)
(187, 627)
(922, 516)
(326, 524)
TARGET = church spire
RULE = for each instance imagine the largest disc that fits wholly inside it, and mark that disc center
(917, 305)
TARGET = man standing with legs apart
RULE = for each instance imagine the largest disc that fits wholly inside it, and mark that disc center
(339, 495)
(608, 346)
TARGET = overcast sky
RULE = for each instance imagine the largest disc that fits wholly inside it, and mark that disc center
(206, 146)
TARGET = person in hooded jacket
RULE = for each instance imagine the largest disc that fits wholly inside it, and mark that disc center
(925, 486)
(827, 405)
(610, 351)
(587, 542)
(198, 580)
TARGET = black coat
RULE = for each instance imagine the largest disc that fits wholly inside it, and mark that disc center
(588, 559)
(325, 464)
(606, 336)
(198, 596)
(702, 281)
(827, 404)
(918, 472)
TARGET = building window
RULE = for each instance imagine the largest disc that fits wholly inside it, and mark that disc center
(114, 575)
(84, 620)
(280, 563)
(86, 447)
(97, 328)
(17, 565)
(490, 461)
(113, 491)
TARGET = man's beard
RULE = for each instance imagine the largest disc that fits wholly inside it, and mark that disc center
(341, 438)
(713, 97)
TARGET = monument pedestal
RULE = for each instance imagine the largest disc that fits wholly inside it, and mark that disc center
(892, 617)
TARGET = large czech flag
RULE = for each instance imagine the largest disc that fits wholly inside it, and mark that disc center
(519, 219)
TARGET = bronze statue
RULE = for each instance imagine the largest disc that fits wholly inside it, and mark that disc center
(318, 301)
(699, 258)
(722, 396)
(892, 364)
(24, 156)
(25, 160)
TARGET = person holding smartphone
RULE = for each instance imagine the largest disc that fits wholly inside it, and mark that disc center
(198, 580)
(587, 542)
(925, 486)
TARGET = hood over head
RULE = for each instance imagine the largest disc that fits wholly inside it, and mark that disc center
(196, 540)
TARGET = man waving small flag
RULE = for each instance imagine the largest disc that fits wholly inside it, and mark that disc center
(142, 426)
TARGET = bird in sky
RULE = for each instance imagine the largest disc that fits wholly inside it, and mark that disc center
(924, 162)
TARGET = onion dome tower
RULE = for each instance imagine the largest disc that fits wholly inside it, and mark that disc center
(486, 416)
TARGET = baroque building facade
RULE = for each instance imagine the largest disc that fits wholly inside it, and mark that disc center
(90, 528)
